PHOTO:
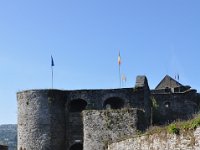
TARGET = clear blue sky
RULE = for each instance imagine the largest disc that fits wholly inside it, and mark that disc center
(155, 38)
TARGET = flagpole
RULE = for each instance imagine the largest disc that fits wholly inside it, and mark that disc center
(119, 77)
(52, 76)
(119, 63)
(52, 65)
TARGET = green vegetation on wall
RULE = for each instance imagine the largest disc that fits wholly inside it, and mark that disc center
(177, 127)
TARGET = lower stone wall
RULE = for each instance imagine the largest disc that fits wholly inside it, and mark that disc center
(161, 141)
(100, 127)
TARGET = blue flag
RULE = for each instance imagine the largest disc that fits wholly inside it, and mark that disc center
(52, 62)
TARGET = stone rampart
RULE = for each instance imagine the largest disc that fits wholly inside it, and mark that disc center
(160, 141)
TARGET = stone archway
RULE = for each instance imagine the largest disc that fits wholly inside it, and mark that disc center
(75, 123)
(77, 105)
(113, 103)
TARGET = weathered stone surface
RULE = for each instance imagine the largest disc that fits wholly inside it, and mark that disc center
(52, 119)
(173, 106)
(102, 127)
(41, 120)
(160, 141)
(141, 81)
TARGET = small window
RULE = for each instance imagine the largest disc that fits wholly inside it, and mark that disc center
(167, 104)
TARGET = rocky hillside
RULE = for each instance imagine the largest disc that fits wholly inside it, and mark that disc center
(8, 135)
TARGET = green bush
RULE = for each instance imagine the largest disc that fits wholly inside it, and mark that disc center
(195, 123)
(173, 129)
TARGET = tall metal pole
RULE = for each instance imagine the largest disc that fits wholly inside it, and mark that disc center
(52, 76)
(119, 77)
(119, 63)
(52, 64)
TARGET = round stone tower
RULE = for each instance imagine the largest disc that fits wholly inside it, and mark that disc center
(41, 120)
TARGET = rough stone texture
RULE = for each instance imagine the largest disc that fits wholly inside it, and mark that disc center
(173, 106)
(51, 119)
(2, 147)
(47, 119)
(41, 120)
(174, 101)
(96, 99)
(101, 127)
(160, 141)
(141, 81)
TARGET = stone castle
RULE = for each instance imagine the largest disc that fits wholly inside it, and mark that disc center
(91, 119)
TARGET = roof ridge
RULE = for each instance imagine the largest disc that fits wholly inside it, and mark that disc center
(166, 78)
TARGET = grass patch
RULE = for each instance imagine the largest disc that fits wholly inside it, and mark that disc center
(172, 128)
(177, 127)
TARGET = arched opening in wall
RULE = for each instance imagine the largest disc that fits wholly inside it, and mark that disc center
(77, 146)
(77, 105)
(114, 103)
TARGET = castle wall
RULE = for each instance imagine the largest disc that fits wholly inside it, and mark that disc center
(102, 127)
(41, 120)
(173, 106)
(96, 99)
(160, 141)
(45, 118)
(142, 84)
(52, 119)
